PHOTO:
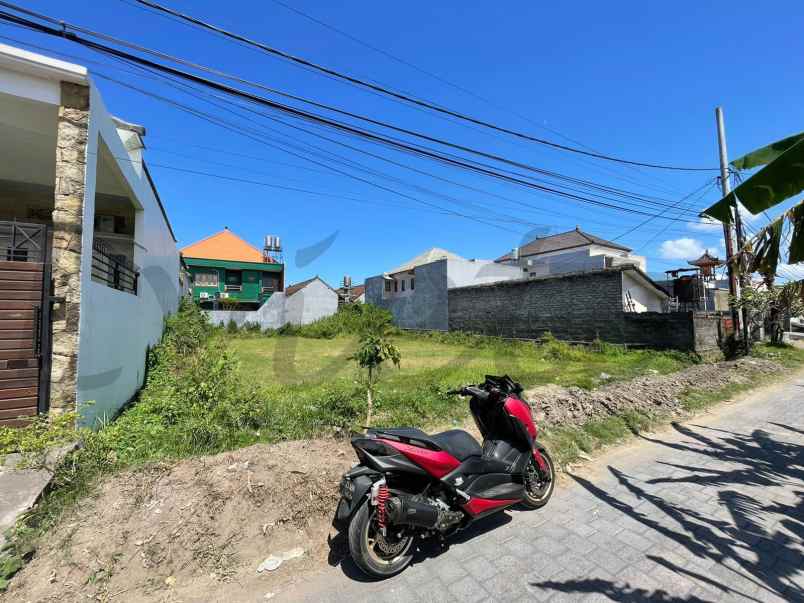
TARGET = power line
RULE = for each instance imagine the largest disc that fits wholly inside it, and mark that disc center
(506, 109)
(421, 103)
(300, 114)
(273, 161)
(706, 185)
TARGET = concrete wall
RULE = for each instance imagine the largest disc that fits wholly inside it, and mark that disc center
(577, 307)
(271, 315)
(423, 308)
(313, 302)
(572, 307)
(117, 328)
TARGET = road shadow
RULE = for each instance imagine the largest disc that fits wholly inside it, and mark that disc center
(752, 550)
(426, 549)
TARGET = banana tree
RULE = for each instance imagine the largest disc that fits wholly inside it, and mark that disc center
(780, 178)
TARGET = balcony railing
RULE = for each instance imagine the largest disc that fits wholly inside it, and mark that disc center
(115, 271)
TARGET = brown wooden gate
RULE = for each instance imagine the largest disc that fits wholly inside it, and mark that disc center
(24, 321)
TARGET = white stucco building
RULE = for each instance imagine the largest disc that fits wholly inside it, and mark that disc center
(88, 256)
(572, 251)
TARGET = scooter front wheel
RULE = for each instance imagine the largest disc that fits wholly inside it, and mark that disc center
(378, 555)
(539, 483)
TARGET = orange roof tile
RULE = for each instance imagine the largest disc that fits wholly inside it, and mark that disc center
(224, 245)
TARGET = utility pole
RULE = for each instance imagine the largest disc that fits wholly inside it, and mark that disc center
(725, 184)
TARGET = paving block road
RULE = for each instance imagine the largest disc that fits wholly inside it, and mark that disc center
(711, 509)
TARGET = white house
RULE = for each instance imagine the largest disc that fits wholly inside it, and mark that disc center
(309, 301)
(78, 209)
(572, 251)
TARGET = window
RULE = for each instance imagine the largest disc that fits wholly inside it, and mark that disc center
(234, 280)
(270, 282)
(396, 286)
(411, 284)
(403, 284)
(387, 286)
(206, 279)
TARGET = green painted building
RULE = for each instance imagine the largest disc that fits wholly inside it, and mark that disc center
(225, 270)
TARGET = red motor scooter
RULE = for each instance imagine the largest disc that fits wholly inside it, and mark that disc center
(410, 485)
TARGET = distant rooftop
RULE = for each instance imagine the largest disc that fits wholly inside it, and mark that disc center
(427, 257)
(224, 245)
(561, 241)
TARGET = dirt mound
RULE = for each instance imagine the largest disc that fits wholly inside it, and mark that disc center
(193, 531)
(574, 406)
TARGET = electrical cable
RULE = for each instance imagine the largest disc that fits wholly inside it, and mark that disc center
(274, 51)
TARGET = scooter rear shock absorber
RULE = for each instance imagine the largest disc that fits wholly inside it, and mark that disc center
(382, 498)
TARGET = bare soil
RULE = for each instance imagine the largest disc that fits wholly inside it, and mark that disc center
(196, 530)
(651, 393)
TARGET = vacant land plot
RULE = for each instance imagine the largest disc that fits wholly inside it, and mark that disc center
(293, 371)
(273, 361)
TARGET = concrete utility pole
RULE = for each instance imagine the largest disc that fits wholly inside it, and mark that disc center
(734, 286)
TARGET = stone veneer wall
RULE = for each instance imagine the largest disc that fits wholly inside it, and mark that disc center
(71, 160)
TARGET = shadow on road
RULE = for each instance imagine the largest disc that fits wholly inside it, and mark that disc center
(339, 547)
(752, 550)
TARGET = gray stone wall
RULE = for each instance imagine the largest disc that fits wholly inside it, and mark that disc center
(572, 307)
(577, 307)
(423, 308)
(68, 212)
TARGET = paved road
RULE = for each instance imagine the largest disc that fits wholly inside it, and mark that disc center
(710, 510)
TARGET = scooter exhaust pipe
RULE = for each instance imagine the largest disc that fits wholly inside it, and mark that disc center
(406, 511)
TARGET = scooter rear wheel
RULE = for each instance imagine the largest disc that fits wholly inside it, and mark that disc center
(539, 484)
(378, 555)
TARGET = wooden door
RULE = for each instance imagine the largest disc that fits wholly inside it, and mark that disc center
(23, 323)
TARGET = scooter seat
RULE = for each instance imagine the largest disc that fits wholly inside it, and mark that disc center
(457, 442)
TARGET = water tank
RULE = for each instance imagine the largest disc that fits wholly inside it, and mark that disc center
(269, 242)
(277, 244)
(686, 289)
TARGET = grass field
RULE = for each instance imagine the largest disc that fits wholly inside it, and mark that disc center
(297, 361)
(297, 372)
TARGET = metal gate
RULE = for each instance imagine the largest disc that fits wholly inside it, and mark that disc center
(24, 321)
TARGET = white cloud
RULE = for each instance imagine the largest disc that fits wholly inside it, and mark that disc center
(681, 249)
(706, 225)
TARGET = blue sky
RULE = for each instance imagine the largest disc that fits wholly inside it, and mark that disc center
(634, 80)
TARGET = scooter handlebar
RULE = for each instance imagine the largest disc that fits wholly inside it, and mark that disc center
(472, 390)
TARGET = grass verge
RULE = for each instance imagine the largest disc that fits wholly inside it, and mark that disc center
(572, 444)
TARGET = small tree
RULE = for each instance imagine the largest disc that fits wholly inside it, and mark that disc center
(373, 349)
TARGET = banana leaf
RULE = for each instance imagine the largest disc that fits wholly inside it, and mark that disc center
(767, 244)
(779, 180)
(796, 217)
(766, 154)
